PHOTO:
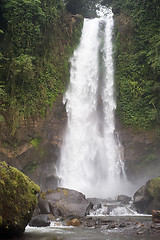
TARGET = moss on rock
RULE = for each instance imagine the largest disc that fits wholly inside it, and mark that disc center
(17, 200)
(154, 188)
(147, 198)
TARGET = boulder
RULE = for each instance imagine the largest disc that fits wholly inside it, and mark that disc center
(96, 203)
(74, 222)
(156, 216)
(17, 200)
(55, 210)
(42, 220)
(43, 205)
(147, 197)
(64, 202)
(123, 199)
(142, 199)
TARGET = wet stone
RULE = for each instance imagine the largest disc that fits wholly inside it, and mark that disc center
(123, 224)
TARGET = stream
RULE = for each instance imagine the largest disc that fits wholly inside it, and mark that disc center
(58, 232)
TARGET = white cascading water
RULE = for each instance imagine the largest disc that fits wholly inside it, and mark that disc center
(91, 159)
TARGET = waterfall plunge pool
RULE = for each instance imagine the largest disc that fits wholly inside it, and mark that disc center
(132, 231)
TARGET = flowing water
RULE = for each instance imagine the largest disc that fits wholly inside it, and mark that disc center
(81, 233)
(92, 156)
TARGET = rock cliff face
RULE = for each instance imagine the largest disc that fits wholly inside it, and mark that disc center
(38, 156)
(141, 153)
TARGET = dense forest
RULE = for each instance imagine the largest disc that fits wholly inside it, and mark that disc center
(137, 62)
(36, 40)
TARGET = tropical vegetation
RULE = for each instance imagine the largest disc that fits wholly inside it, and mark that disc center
(137, 62)
(36, 40)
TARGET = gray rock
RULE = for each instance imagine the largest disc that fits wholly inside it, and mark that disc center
(122, 224)
(96, 203)
(41, 220)
(55, 210)
(123, 199)
(64, 202)
(142, 199)
(43, 206)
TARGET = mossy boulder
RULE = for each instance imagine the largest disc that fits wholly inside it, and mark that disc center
(17, 200)
(147, 198)
(154, 188)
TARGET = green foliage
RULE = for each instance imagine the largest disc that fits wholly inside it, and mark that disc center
(35, 142)
(23, 24)
(30, 168)
(137, 62)
(37, 40)
(154, 187)
(2, 96)
(86, 8)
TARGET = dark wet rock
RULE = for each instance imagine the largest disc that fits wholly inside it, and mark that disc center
(64, 202)
(99, 205)
(43, 206)
(123, 224)
(147, 197)
(123, 199)
(41, 220)
(96, 203)
(142, 199)
(17, 200)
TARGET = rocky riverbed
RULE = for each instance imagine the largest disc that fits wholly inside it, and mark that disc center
(65, 209)
(138, 225)
(135, 225)
(97, 228)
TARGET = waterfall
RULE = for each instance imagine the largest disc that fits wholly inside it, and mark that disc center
(91, 155)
